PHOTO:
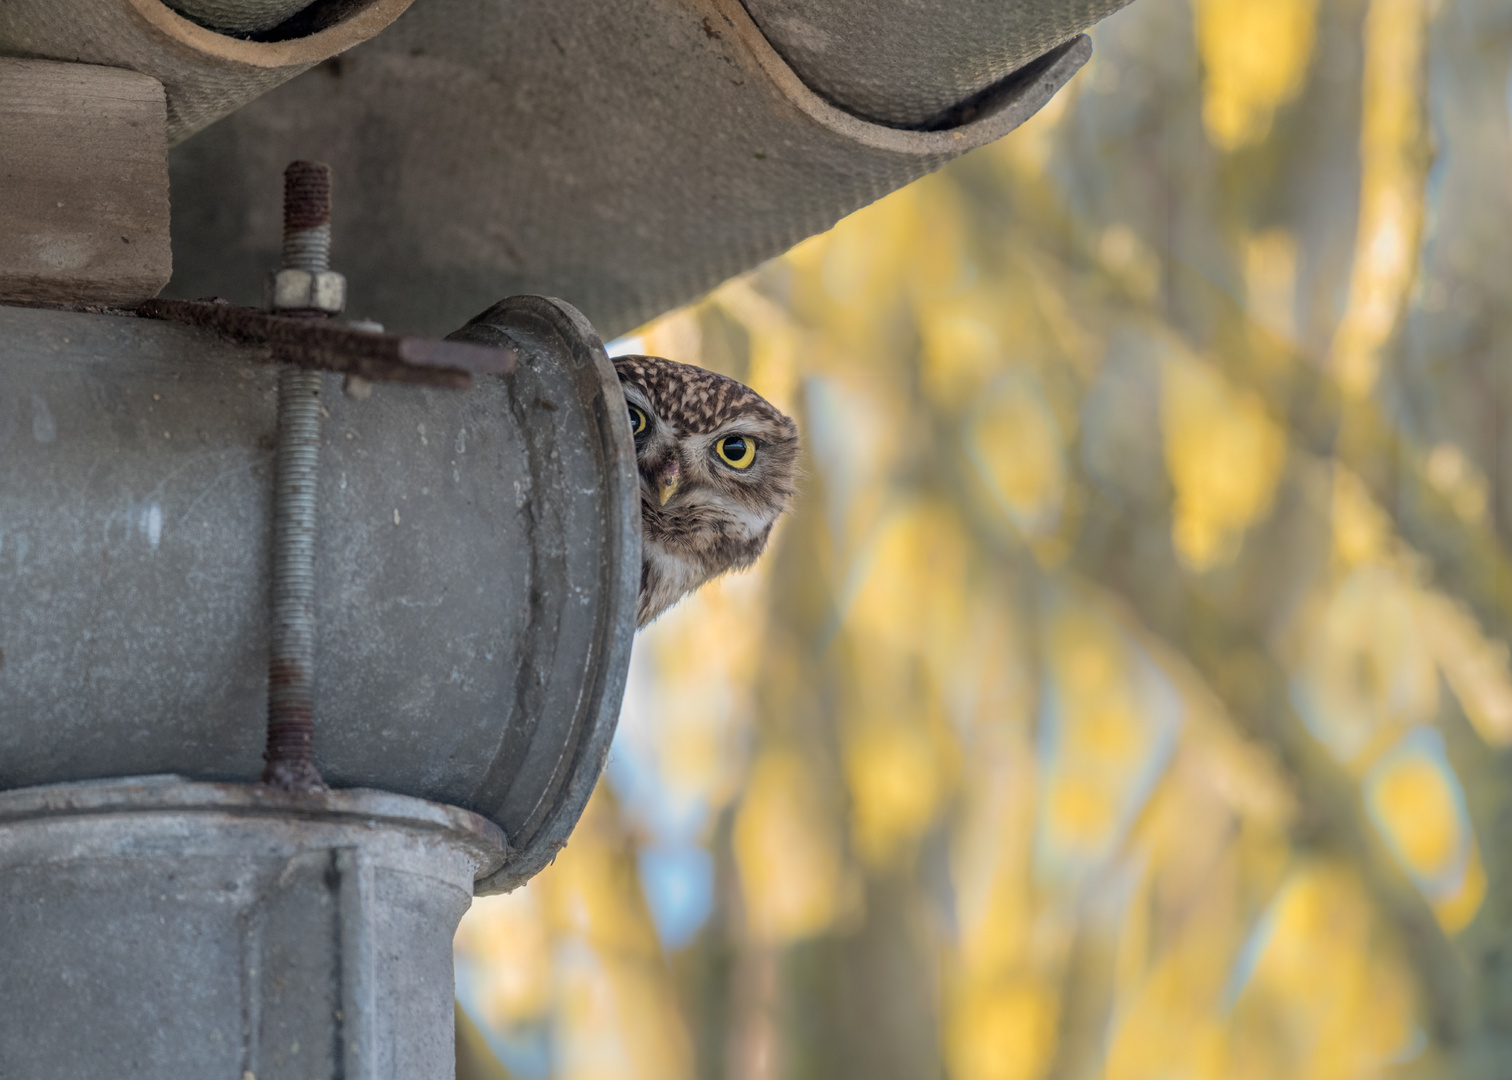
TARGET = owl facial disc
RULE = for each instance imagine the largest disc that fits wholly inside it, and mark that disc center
(718, 465)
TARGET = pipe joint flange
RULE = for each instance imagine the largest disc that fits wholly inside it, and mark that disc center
(307, 290)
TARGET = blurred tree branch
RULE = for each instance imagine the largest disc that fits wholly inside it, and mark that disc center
(1231, 655)
(1233, 659)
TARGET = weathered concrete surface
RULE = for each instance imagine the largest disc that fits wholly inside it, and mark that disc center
(206, 74)
(84, 171)
(625, 155)
(478, 567)
(153, 929)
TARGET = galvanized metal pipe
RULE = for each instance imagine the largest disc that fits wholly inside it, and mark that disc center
(233, 930)
(473, 654)
(290, 755)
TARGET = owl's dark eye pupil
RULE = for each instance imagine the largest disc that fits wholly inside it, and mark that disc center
(637, 421)
(736, 451)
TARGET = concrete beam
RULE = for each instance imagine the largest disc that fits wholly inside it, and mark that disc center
(84, 171)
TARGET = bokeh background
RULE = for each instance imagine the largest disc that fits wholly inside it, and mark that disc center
(1127, 695)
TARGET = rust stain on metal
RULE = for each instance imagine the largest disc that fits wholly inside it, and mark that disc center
(290, 755)
(312, 343)
(307, 195)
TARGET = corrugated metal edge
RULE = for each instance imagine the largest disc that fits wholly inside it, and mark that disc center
(205, 44)
(1006, 106)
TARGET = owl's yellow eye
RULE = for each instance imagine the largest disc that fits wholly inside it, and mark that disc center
(637, 421)
(736, 451)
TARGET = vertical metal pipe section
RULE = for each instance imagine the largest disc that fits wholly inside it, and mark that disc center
(163, 929)
(290, 755)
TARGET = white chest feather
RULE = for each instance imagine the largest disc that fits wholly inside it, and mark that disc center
(674, 573)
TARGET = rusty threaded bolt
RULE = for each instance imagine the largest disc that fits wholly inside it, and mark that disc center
(307, 216)
(290, 755)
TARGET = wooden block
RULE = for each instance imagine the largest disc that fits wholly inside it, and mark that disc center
(83, 185)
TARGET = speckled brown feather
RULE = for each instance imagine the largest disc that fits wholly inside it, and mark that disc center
(694, 398)
(720, 518)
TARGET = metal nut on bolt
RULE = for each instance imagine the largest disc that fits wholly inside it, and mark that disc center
(307, 290)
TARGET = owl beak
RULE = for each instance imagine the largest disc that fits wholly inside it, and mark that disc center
(667, 477)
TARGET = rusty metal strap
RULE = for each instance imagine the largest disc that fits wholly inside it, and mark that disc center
(317, 343)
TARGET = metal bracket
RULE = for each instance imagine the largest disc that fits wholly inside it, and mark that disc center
(315, 343)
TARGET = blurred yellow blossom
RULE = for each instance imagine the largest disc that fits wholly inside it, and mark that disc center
(1416, 799)
(791, 873)
(1225, 456)
(895, 612)
(1321, 996)
(1254, 56)
(1361, 530)
(1130, 260)
(895, 787)
(961, 354)
(1417, 805)
(1108, 730)
(1006, 1032)
(1016, 445)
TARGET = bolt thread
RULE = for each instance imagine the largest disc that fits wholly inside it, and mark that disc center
(307, 249)
(291, 714)
(290, 755)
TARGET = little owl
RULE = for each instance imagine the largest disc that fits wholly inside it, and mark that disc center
(717, 464)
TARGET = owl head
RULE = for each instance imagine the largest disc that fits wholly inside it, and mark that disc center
(718, 465)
